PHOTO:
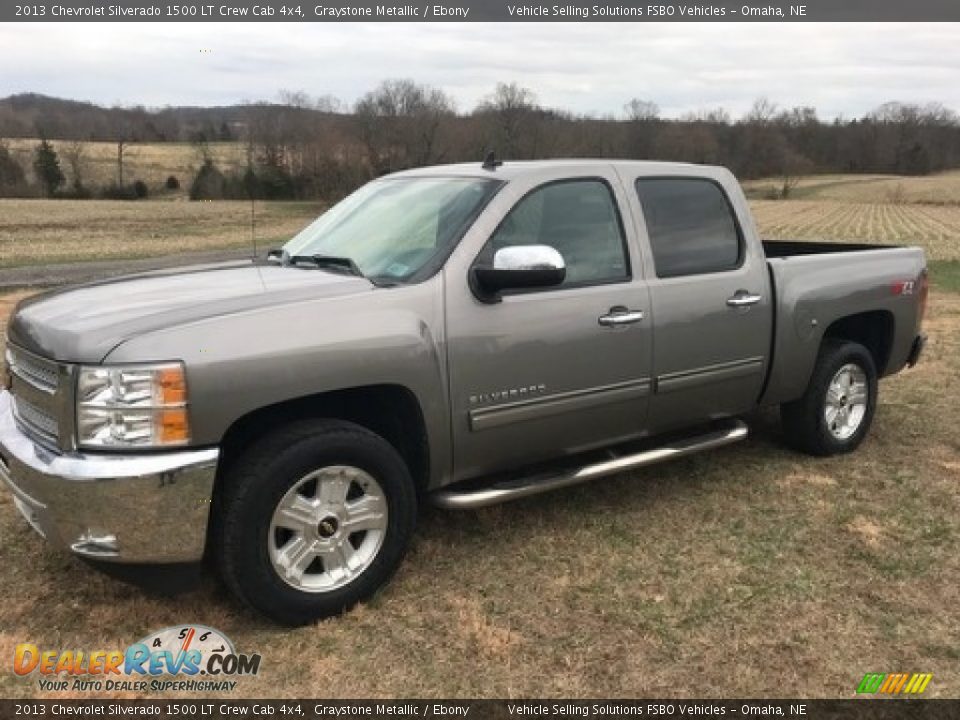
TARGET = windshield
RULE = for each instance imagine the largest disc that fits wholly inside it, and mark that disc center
(392, 228)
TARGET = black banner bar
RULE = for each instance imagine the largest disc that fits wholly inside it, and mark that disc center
(481, 11)
(874, 709)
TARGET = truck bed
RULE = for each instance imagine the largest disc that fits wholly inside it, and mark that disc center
(791, 248)
(814, 284)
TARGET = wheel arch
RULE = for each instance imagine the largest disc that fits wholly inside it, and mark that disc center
(391, 411)
(873, 329)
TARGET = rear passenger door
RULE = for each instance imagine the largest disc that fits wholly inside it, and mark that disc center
(710, 298)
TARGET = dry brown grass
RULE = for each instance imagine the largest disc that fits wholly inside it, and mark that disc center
(938, 189)
(885, 209)
(65, 231)
(45, 231)
(935, 228)
(750, 571)
(150, 162)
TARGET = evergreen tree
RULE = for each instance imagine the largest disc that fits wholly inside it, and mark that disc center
(47, 166)
(12, 177)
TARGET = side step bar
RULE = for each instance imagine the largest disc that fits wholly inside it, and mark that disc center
(454, 499)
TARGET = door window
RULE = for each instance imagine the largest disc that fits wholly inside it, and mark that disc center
(691, 226)
(578, 218)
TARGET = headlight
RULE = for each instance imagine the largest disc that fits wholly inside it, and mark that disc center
(132, 406)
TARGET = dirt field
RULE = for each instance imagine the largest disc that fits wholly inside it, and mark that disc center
(936, 228)
(750, 571)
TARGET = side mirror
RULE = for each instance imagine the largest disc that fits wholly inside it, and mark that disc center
(520, 267)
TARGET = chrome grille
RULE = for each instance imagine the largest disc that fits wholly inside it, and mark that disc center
(39, 373)
(36, 422)
(41, 397)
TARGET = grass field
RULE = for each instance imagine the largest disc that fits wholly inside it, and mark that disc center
(935, 228)
(939, 189)
(46, 231)
(151, 162)
(750, 571)
(76, 230)
(873, 208)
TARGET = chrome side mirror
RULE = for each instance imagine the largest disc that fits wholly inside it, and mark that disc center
(520, 267)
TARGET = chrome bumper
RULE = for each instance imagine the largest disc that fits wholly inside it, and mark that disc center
(147, 508)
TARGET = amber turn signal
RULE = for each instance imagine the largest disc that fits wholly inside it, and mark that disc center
(171, 385)
(173, 428)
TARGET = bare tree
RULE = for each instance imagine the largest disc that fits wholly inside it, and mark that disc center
(399, 124)
(692, 141)
(515, 112)
(294, 98)
(638, 110)
(124, 132)
(328, 104)
(793, 166)
(761, 112)
(710, 116)
(643, 120)
(75, 153)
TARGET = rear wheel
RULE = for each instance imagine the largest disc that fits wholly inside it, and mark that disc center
(313, 519)
(835, 412)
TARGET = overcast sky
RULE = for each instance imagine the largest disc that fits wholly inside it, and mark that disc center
(842, 69)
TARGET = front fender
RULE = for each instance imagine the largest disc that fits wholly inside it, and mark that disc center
(242, 362)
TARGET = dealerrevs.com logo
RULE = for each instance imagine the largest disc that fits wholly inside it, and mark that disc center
(181, 658)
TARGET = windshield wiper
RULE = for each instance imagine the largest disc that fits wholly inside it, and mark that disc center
(328, 261)
(317, 260)
(333, 262)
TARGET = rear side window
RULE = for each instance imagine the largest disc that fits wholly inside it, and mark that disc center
(691, 226)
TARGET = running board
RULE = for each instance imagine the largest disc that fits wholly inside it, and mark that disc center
(454, 499)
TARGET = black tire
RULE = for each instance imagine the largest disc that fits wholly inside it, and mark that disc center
(804, 422)
(262, 476)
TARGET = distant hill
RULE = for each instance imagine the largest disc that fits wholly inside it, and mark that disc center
(30, 115)
(401, 124)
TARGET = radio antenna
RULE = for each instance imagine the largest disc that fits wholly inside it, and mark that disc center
(251, 179)
(253, 227)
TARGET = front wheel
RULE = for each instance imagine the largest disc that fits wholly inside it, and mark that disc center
(835, 412)
(313, 519)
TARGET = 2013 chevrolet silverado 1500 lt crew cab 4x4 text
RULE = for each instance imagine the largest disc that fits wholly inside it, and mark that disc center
(467, 334)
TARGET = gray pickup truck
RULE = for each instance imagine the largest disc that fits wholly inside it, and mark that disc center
(466, 334)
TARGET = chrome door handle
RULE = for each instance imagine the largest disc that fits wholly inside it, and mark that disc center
(743, 299)
(620, 316)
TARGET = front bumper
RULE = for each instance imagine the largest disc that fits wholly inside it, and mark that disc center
(146, 508)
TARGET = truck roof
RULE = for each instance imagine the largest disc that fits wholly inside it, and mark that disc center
(512, 169)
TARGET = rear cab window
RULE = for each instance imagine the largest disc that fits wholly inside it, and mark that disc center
(691, 225)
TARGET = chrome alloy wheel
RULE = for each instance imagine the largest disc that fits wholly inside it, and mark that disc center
(846, 405)
(328, 528)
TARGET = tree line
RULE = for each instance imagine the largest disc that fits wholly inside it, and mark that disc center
(315, 147)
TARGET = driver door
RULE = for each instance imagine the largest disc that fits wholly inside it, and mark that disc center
(544, 372)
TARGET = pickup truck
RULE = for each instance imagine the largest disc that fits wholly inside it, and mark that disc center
(463, 334)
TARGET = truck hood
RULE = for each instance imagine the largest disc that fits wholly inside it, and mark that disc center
(84, 323)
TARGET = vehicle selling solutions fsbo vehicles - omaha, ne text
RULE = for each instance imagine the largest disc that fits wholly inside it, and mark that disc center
(467, 334)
